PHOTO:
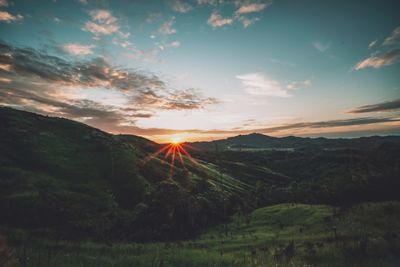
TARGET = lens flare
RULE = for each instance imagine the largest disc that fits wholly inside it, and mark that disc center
(172, 151)
(175, 140)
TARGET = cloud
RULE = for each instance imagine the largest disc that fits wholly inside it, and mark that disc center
(4, 3)
(151, 17)
(83, 2)
(46, 83)
(389, 54)
(393, 38)
(175, 44)
(372, 44)
(332, 123)
(384, 59)
(322, 47)
(167, 27)
(247, 22)
(181, 6)
(247, 8)
(328, 125)
(102, 23)
(217, 21)
(300, 125)
(244, 9)
(209, 2)
(259, 84)
(298, 85)
(122, 43)
(187, 99)
(7, 17)
(78, 49)
(384, 106)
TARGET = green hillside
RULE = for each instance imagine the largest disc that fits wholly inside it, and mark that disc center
(72, 195)
(341, 176)
(79, 181)
(280, 235)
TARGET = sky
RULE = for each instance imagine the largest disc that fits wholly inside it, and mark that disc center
(206, 69)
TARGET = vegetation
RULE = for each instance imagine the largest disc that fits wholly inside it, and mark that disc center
(279, 235)
(72, 195)
(74, 181)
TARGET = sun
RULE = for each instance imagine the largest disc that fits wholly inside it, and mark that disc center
(176, 140)
(175, 150)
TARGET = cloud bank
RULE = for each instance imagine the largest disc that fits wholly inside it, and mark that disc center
(46, 84)
(384, 106)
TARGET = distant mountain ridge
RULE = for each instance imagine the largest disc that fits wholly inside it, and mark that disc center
(261, 141)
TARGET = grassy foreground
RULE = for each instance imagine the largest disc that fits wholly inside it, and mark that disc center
(281, 235)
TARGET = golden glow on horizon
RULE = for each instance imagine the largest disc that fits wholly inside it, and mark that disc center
(176, 139)
(338, 131)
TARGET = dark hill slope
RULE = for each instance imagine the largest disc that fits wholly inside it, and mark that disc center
(66, 177)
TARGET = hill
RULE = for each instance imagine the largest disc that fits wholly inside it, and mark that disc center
(257, 142)
(63, 178)
(75, 180)
(346, 172)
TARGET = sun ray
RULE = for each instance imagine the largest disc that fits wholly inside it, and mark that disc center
(158, 152)
(180, 156)
(188, 155)
(170, 152)
(172, 161)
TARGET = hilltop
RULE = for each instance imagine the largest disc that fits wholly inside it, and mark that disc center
(257, 141)
(65, 176)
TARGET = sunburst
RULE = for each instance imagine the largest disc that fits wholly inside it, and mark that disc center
(172, 152)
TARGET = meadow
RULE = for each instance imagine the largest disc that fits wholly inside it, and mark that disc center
(279, 235)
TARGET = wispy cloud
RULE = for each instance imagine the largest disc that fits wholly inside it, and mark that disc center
(247, 22)
(167, 27)
(244, 12)
(333, 123)
(261, 85)
(210, 2)
(78, 49)
(380, 60)
(372, 44)
(379, 107)
(298, 85)
(152, 17)
(393, 38)
(8, 18)
(216, 20)
(175, 44)
(287, 129)
(322, 47)
(181, 6)
(102, 23)
(388, 54)
(246, 8)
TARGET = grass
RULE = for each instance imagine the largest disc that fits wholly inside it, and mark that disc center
(279, 235)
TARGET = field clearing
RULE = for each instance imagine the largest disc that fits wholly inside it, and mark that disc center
(279, 235)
